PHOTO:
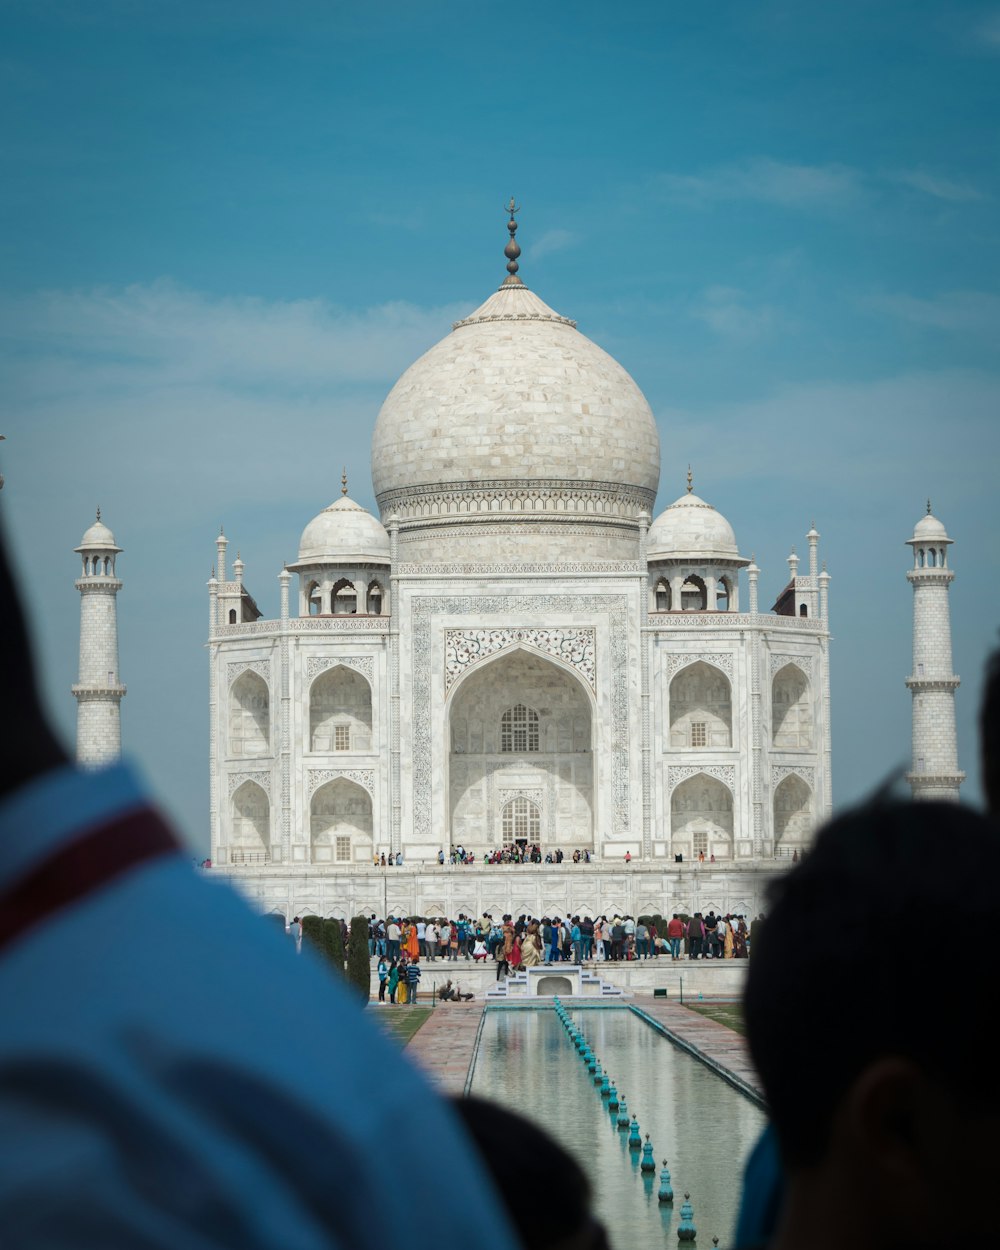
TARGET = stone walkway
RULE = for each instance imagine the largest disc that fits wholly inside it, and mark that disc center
(721, 1046)
(443, 1047)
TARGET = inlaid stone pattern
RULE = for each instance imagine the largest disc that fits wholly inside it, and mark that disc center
(363, 664)
(721, 659)
(364, 777)
(464, 648)
(676, 773)
(261, 779)
(261, 667)
(780, 771)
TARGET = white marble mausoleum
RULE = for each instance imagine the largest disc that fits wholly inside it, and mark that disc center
(517, 648)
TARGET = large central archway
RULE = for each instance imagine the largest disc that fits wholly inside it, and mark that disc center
(521, 754)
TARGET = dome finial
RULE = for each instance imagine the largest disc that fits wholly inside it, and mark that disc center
(928, 507)
(690, 481)
(512, 251)
(99, 512)
(343, 481)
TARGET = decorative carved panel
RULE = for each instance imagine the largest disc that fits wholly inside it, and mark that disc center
(364, 777)
(465, 647)
(676, 773)
(259, 778)
(363, 664)
(261, 667)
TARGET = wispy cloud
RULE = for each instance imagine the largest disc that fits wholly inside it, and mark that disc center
(553, 241)
(728, 312)
(171, 335)
(966, 312)
(936, 186)
(768, 181)
(987, 33)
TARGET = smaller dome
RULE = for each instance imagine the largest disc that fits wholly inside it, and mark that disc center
(691, 528)
(930, 529)
(98, 536)
(344, 533)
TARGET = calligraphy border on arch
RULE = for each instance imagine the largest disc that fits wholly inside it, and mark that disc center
(425, 608)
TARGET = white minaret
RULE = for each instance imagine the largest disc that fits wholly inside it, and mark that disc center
(98, 692)
(935, 772)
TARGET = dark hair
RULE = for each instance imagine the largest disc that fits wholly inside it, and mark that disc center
(989, 734)
(842, 968)
(563, 1212)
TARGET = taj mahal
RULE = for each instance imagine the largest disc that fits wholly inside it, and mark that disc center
(520, 649)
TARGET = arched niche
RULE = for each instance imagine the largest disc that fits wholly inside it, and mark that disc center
(791, 709)
(344, 598)
(694, 594)
(724, 594)
(340, 823)
(250, 834)
(340, 711)
(249, 716)
(701, 818)
(793, 816)
(482, 774)
(662, 595)
(701, 708)
(374, 598)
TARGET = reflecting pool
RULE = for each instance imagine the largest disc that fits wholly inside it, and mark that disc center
(696, 1121)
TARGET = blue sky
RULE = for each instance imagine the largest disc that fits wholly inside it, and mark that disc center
(225, 229)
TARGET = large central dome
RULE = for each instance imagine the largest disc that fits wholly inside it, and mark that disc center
(515, 411)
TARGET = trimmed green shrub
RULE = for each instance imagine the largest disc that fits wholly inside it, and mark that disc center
(333, 944)
(358, 964)
(312, 933)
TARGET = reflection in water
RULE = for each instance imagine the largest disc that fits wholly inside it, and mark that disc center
(701, 1125)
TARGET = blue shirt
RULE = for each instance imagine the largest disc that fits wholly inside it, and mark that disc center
(171, 1075)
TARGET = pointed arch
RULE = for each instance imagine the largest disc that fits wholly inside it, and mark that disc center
(374, 598)
(344, 598)
(340, 823)
(701, 817)
(662, 595)
(791, 709)
(793, 814)
(250, 830)
(701, 708)
(249, 715)
(694, 594)
(340, 711)
(557, 774)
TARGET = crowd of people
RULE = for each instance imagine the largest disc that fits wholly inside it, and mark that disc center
(399, 944)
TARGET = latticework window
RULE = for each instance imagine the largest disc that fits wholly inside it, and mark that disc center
(521, 819)
(342, 738)
(519, 729)
(343, 849)
(700, 840)
(699, 733)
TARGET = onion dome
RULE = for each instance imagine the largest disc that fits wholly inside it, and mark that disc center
(929, 529)
(98, 535)
(691, 529)
(515, 399)
(344, 533)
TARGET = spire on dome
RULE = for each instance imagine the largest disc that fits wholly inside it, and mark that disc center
(343, 481)
(928, 507)
(99, 512)
(512, 251)
(690, 481)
